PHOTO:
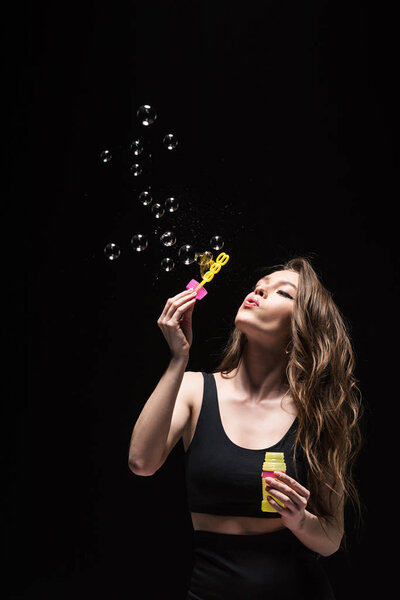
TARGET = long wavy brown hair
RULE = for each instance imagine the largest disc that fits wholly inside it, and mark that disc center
(320, 374)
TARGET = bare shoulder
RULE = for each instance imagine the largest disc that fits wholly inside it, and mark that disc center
(192, 387)
(183, 413)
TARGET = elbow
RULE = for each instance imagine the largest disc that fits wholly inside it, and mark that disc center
(139, 468)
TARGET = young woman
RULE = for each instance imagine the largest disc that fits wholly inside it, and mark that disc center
(285, 384)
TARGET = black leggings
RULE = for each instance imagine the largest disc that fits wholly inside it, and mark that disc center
(250, 567)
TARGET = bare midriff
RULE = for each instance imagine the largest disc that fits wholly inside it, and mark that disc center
(236, 525)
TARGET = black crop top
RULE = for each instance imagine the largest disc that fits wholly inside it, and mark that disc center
(223, 478)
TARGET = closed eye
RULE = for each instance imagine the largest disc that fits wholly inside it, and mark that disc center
(285, 294)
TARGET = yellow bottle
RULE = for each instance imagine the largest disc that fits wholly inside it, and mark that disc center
(274, 461)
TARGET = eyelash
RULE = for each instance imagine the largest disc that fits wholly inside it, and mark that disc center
(286, 294)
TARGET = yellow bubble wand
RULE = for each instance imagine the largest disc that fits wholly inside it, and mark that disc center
(215, 267)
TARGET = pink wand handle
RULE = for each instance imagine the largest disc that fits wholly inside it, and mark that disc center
(201, 292)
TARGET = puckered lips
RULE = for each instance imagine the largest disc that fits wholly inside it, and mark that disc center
(251, 301)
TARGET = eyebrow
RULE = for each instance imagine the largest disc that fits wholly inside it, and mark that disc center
(281, 281)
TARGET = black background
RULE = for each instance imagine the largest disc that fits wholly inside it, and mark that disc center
(287, 120)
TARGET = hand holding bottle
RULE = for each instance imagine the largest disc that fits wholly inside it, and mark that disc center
(288, 498)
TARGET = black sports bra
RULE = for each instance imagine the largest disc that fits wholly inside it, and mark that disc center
(223, 478)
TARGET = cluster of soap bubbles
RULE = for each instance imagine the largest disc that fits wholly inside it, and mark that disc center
(158, 210)
(139, 242)
(146, 116)
(187, 253)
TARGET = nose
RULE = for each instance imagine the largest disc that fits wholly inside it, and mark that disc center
(261, 292)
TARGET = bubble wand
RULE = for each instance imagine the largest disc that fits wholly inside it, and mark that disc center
(215, 267)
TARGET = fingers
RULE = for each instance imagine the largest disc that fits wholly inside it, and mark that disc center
(276, 506)
(292, 483)
(282, 503)
(177, 305)
(280, 509)
(277, 494)
(288, 494)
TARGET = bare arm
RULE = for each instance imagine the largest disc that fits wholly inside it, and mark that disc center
(317, 534)
(321, 535)
(167, 411)
(162, 420)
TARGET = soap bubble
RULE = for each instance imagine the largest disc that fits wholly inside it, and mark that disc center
(137, 147)
(203, 258)
(112, 251)
(170, 141)
(158, 210)
(187, 254)
(145, 197)
(139, 242)
(146, 114)
(171, 204)
(167, 264)
(217, 242)
(168, 238)
(136, 169)
(106, 156)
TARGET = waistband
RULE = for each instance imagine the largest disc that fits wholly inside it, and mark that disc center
(280, 540)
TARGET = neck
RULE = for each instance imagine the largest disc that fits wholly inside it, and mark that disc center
(261, 372)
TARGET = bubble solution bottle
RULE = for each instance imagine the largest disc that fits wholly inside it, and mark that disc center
(274, 461)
